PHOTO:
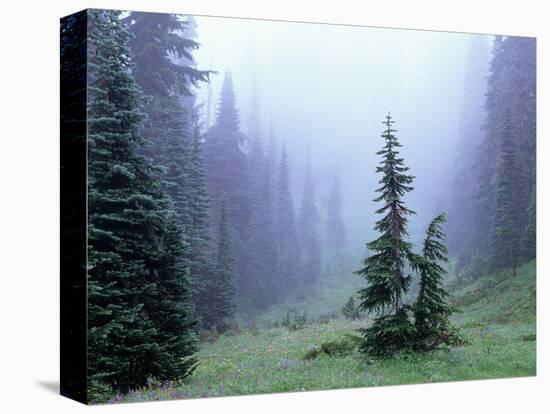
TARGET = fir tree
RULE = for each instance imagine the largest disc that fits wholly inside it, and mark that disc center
(202, 268)
(262, 263)
(158, 38)
(171, 308)
(431, 310)
(350, 310)
(163, 56)
(510, 104)
(254, 288)
(505, 240)
(464, 185)
(287, 237)
(225, 295)
(384, 269)
(336, 231)
(138, 319)
(174, 133)
(227, 172)
(309, 217)
(175, 157)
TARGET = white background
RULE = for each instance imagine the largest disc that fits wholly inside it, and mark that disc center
(29, 205)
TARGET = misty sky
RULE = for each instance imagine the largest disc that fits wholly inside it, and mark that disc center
(330, 87)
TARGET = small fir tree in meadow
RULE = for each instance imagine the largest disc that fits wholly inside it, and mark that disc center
(431, 308)
(385, 269)
(350, 310)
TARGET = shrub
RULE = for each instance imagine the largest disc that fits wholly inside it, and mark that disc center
(338, 348)
(345, 346)
(229, 326)
(313, 352)
(253, 328)
(296, 323)
(99, 392)
(209, 335)
(327, 317)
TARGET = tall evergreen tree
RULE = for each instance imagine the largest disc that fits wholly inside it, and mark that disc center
(510, 105)
(484, 209)
(138, 315)
(188, 31)
(309, 239)
(255, 277)
(262, 246)
(163, 55)
(384, 270)
(506, 236)
(172, 129)
(225, 291)
(202, 267)
(227, 172)
(336, 230)
(431, 310)
(464, 182)
(165, 71)
(288, 252)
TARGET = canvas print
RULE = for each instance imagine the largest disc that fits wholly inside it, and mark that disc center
(253, 206)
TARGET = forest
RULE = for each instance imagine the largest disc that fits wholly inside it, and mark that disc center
(285, 206)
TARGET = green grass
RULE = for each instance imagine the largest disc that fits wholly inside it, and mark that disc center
(500, 298)
(338, 284)
(497, 320)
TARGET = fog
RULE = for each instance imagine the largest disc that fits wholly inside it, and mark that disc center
(329, 87)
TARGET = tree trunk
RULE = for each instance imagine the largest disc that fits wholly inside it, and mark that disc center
(396, 237)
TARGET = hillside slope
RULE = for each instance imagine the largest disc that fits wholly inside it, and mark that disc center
(497, 319)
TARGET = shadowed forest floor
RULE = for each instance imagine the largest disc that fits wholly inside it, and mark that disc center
(497, 318)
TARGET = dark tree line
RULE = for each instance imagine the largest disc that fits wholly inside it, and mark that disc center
(497, 205)
(184, 224)
(277, 245)
(140, 319)
(155, 277)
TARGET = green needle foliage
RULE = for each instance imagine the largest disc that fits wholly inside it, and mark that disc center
(431, 310)
(510, 185)
(388, 335)
(394, 332)
(138, 312)
(224, 286)
(384, 270)
(166, 72)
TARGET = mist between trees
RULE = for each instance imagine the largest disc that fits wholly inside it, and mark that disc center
(233, 163)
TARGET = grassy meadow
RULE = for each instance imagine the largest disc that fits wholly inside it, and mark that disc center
(496, 315)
